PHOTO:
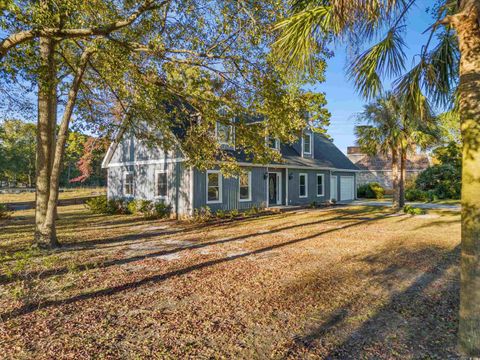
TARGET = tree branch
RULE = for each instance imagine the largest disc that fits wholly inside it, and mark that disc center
(23, 36)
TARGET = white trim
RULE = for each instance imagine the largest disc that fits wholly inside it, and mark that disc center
(125, 173)
(220, 183)
(191, 189)
(309, 134)
(286, 186)
(306, 185)
(281, 166)
(323, 184)
(146, 162)
(249, 174)
(159, 171)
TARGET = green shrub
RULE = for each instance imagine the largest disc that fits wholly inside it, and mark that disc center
(202, 214)
(371, 191)
(442, 181)
(98, 204)
(221, 214)
(101, 205)
(313, 204)
(233, 213)
(4, 213)
(162, 210)
(416, 195)
(132, 207)
(408, 209)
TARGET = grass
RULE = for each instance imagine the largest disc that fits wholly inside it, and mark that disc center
(347, 282)
(64, 195)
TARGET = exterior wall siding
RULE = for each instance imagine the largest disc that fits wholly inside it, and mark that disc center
(294, 187)
(178, 178)
(230, 191)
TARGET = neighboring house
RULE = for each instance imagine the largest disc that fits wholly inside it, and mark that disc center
(378, 168)
(312, 169)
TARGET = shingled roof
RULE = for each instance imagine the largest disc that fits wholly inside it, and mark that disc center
(415, 162)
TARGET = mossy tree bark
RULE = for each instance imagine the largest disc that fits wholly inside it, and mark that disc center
(466, 24)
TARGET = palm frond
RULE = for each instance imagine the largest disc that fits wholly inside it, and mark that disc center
(386, 58)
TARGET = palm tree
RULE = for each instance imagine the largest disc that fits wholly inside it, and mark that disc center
(388, 130)
(451, 67)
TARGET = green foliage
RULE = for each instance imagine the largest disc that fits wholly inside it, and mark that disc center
(147, 208)
(449, 154)
(371, 190)
(202, 214)
(233, 213)
(444, 181)
(133, 207)
(4, 213)
(221, 214)
(161, 210)
(408, 209)
(416, 195)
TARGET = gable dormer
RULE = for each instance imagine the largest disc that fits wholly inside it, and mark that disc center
(225, 135)
(307, 144)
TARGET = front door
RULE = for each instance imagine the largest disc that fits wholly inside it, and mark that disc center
(273, 189)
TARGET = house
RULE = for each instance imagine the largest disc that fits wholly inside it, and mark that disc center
(378, 168)
(312, 169)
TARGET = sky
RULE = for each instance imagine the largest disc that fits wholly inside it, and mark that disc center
(342, 101)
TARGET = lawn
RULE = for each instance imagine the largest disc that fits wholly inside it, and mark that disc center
(345, 282)
(64, 195)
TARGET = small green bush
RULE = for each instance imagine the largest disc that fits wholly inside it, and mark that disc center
(233, 213)
(371, 190)
(444, 181)
(162, 210)
(132, 207)
(98, 205)
(221, 214)
(416, 195)
(408, 209)
(4, 213)
(202, 214)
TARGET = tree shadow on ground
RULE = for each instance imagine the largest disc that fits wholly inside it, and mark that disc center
(418, 322)
(162, 277)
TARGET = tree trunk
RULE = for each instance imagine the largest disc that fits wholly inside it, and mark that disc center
(403, 175)
(395, 180)
(45, 131)
(466, 24)
(48, 232)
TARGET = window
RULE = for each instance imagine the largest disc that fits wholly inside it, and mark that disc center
(320, 186)
(128, 184)
(303, 185)
(214, 186)
(273, 143)
(245, 184)
(161, 185)
(307, 143)
(224, 133)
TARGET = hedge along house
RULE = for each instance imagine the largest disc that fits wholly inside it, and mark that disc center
(311, 170)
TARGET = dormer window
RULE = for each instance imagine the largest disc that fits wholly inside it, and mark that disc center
(307, 144)
(273, 143)
(224, 133)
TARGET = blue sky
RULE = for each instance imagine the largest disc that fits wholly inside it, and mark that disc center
(343, 102)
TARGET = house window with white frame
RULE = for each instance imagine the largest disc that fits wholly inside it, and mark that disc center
(273, 143)
(128, 184)
(303, 185)
(161, 185)
(320, 185)
(245, 186)
(307, 144)
(224, 133)
(214, 186)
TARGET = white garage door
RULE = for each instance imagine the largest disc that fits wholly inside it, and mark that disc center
(346, 188)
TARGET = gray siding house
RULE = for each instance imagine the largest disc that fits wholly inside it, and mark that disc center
(312, 169)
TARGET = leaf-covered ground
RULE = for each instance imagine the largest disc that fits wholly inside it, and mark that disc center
(342, 283)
